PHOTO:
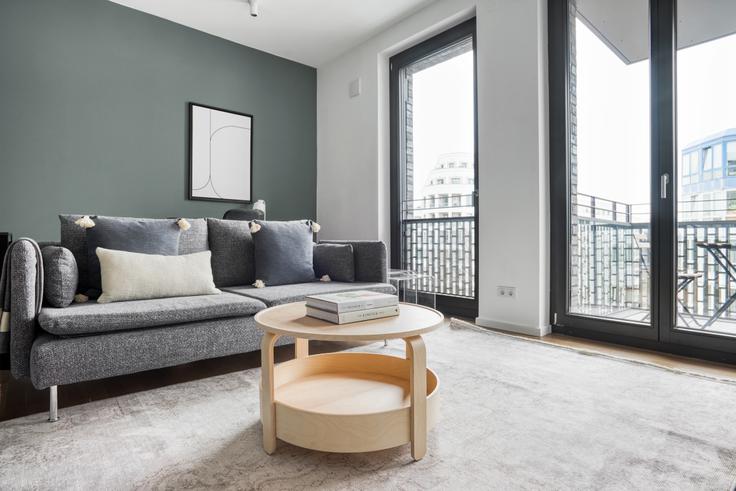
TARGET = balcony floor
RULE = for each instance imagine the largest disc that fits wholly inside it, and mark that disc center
(721, 326)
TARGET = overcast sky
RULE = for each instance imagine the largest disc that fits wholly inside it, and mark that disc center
(613, 111)
(443, 113)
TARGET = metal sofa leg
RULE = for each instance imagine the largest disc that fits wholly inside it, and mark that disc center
(53, 404)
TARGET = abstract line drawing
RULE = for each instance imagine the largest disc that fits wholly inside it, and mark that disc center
(221, 162)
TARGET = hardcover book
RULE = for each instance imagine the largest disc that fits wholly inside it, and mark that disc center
(351, 301)
(355, 316)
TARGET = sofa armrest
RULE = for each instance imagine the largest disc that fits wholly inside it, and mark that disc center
(23, 302)
(371, 259)
(42, 244)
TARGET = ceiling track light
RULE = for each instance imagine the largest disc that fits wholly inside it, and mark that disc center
(254, 7)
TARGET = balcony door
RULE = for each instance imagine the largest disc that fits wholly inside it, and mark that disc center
(434, 169)
(609, 235)
(704, 170)
(643, 172)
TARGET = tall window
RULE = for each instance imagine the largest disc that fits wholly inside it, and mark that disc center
(610, 161)
(705, 121)
(643, 132)
(433, 154)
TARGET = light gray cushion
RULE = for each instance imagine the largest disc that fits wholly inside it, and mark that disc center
(284, 252)
(232, 247)
(92, 317)
(60, 276)
(277, 295)
(160, 237)
(335, 261)
(74, 238)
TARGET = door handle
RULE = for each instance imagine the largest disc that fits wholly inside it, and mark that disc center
(664, 181)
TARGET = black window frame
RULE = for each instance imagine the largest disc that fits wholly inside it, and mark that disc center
(447, 304)
(662, 333)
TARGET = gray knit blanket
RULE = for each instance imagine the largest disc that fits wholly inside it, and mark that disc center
(6, 283)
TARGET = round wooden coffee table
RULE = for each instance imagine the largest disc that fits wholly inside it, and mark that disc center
(348, 402)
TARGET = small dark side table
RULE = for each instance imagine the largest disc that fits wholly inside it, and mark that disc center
(5, 239)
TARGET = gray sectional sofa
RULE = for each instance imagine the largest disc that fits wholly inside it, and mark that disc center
(87, 341)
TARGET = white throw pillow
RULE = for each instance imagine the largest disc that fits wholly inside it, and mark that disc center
(134, 276)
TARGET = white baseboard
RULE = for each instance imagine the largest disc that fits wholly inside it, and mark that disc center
(515, 328)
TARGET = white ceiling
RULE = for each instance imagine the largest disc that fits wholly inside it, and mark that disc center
(624, 24)
(308, 31)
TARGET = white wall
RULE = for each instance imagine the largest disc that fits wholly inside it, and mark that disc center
(353, 148)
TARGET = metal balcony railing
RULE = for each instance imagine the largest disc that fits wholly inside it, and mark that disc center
(609, 266)
(438, 240)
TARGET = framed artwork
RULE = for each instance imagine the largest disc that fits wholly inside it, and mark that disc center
(220, 154)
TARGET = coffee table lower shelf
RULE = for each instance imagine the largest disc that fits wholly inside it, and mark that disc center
(347, 402)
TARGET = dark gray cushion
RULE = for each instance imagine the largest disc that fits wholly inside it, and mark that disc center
(159, 237)
(284, 252)
(60, 276)
(61, 361)
(233, 261)
(74, 238)
(246, 214)
(371, 259)
(277, 295)
(92, 317)
(335, 261)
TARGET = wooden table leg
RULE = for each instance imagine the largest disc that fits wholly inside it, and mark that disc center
(301, 348)
(417, 353)
(268, 410)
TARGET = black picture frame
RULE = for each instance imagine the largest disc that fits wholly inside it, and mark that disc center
(190, 190)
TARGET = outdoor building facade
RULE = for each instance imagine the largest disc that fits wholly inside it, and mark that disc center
(448, 188)
(708, 178)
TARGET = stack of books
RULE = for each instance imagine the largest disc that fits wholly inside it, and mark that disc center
(355, 306)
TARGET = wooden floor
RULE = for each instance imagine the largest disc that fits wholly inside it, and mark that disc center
(19, 398)
(693, 365)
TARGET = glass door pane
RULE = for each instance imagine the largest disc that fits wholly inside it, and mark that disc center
(706, 167)
(609, 242)
(437, 206)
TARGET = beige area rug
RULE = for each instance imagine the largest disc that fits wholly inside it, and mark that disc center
(516, 414)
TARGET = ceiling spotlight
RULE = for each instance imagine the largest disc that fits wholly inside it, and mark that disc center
(253, 8)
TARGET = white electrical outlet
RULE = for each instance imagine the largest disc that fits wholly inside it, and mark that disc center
(355, 87)
(506, 291)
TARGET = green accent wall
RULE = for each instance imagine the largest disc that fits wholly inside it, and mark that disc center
(94, 115)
